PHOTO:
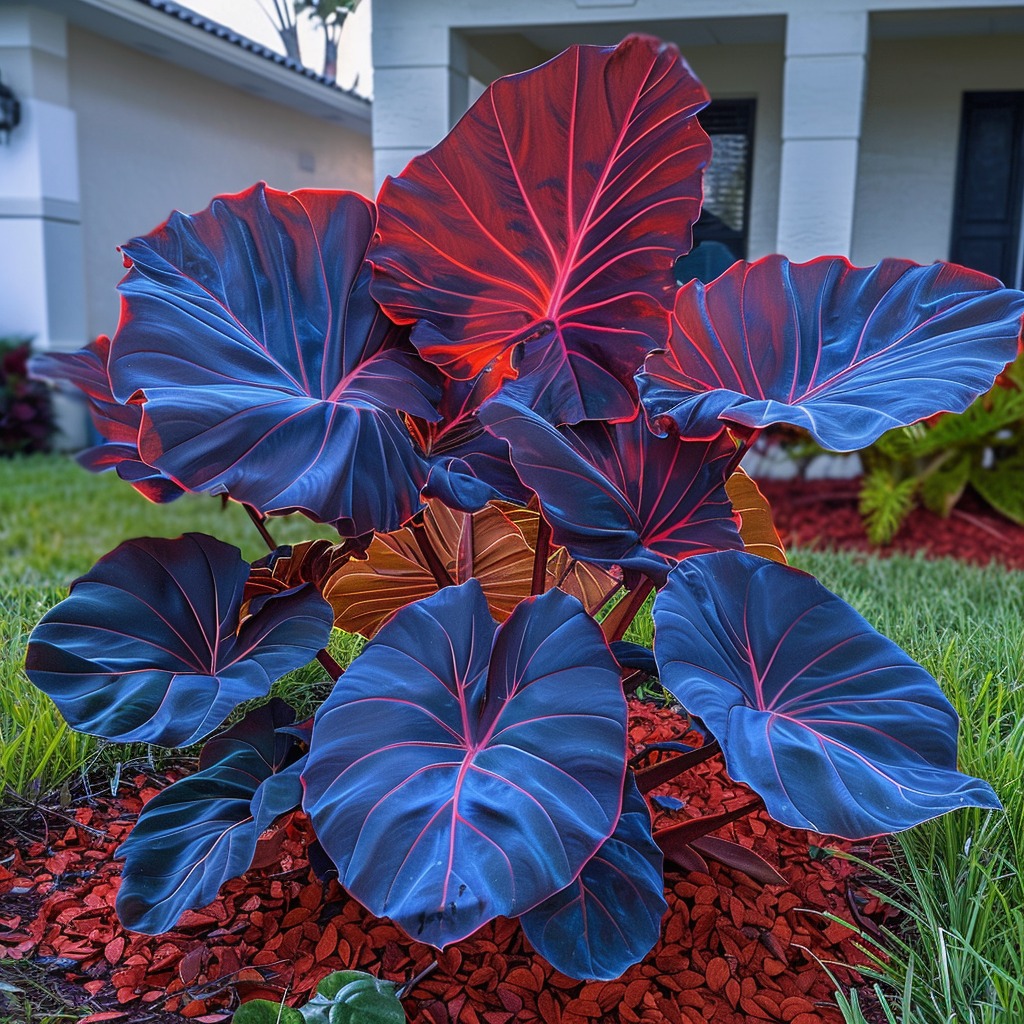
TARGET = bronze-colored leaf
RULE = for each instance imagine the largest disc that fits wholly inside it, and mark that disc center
(486, 544)
(290, 567)
(756, 528)
(590, 584)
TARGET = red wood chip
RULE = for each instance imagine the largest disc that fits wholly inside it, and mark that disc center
(729, 951)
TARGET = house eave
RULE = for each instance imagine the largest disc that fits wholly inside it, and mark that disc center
(179, 42)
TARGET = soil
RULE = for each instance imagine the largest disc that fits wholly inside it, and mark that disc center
(823, 513)
(732, 950)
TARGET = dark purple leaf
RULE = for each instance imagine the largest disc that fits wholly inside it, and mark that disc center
(459, 771)
(636, 656)
(667, 803)
(148, 647)
(609, 918)
(202, 830)
(844, 352)
(733, 855)
(469, 466)
(548, 252)
(836, 728)
(616, 493)
(265, 369)
(117, 424)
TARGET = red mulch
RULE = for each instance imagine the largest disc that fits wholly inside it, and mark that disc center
(731, 951)
(823, 513)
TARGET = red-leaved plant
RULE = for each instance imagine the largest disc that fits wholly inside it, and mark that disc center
(489, 383)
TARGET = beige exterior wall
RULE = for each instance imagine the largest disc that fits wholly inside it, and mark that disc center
(153, 137)
(908, 146)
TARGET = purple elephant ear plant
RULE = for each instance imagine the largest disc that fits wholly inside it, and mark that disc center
(501, 333)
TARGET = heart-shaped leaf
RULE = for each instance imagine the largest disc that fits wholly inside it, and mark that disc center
(468, 465)
(609, 918)
(202, 830)
(265, 369)
(836, 728)
(616, 493)
(263, 1011)
(117, 424)
(844, 352)
(148, 646)
(354, 997)
(559, 243)
(498, 774)
(485, 545)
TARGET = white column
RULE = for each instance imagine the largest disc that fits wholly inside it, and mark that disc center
(42, 279)
(823, 100)
(420, 82)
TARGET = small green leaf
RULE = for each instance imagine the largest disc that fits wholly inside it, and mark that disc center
(885, 503)
(1002, 487)
(263, 1011)
(330, 986)
(943, 489)
(354, 997)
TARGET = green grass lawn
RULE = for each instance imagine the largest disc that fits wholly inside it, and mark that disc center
(957, 959)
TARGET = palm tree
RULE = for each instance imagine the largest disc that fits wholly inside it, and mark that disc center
(283, 19)
(331, 15)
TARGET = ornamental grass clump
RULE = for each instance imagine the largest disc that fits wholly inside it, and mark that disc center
(489, 383)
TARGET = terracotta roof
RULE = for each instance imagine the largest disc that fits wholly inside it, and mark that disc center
(215, 28)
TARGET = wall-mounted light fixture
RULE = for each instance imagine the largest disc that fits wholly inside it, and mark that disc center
(10, 112)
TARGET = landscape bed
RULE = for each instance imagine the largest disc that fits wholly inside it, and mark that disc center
(70, 878)
(522, 426)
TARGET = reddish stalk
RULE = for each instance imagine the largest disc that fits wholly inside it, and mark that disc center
(258, 522)
(620, 617)
(665, 771)
(540, 557)
(334, 670)
(441, 575)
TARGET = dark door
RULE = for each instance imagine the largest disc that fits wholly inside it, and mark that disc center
(987, 209)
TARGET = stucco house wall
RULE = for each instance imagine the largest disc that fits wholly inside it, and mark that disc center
(858, 101)
(130, 110)
(153, 137)
(911, 135)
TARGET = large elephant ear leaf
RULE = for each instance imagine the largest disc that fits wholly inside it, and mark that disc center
(552, 257)
(616, 493)
(499, 773)
(834, 726)
(609, 918)
(844, 352)
(202, 830)
(117, 424)
(263, 368)
(490, 545)
(148, 648)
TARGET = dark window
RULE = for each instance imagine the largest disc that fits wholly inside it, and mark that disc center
(987, 208)
(720, 236)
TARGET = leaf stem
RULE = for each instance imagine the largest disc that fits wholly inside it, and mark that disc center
(540, 557)
(405, 989)
(334, 670)
(258, 521)
(441, 575)
(664, 771)
(623, 614)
